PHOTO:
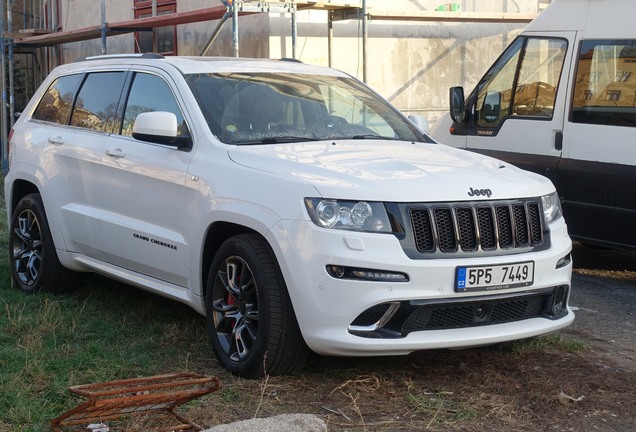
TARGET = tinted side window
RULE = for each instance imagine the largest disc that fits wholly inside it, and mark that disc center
(523, 82)
(96, 105)
(55, 106)
(149, 93)
(605, 87)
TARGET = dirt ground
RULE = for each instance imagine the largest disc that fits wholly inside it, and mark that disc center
(582, 379)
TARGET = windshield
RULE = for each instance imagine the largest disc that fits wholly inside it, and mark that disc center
(266, 108)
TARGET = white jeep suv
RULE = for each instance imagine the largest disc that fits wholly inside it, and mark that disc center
(290, 204)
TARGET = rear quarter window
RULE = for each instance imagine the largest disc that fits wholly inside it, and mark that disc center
(56, 104)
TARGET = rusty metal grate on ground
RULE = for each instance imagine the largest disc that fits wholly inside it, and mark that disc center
(151, 400)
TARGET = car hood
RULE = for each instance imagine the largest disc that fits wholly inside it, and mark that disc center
(397, 171)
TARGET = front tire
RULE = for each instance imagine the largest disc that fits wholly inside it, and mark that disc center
(251, 323)
(34, 262)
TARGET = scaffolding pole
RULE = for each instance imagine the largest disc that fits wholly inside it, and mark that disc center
(5, 163)
(104, 26)
(11, 66)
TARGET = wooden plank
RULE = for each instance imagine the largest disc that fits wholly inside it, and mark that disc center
(438, 16)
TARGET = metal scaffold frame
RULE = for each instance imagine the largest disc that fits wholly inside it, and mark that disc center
(30, 40)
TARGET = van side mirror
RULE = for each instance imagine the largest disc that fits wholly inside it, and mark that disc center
(159, 127)
(457, 104)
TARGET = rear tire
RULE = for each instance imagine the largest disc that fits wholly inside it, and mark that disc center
(251, 322)
(33, 258)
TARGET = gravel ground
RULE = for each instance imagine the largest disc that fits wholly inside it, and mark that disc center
(604, 297)
(596, 386)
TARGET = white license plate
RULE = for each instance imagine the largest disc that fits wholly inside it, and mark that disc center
(497, 277)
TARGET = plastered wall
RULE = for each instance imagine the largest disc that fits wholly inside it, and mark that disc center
(412, 64)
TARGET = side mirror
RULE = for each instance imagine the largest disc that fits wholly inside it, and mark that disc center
(457, 104)
(159, 127)
(420, 122)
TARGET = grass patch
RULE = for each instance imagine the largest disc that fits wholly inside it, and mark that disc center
(441, 407)
(103, 331)
(545, 342)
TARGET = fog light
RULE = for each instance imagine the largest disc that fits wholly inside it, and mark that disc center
(336, 271)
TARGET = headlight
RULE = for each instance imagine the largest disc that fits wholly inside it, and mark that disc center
(348, 215)
(551, 207)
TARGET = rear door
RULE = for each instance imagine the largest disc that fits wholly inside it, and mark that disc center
(517, 110)
(599, 142)
(73, 130)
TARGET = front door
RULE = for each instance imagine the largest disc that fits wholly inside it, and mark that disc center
(143, 223)
(517, 109)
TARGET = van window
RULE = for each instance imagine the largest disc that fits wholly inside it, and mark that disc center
(149, 93)
(55, 106)
(605, 88)
(96, 105)
(523, 82)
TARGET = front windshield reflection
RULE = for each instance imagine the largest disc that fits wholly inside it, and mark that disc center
(269, 108)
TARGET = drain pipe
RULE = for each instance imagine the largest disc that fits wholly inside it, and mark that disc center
(365, 38)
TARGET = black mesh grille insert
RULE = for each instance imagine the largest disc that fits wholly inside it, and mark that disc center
(484, 312)
(535, 222)
(487, 226)
(505, 227)
(446, 237)
(466, 225)
(421, 222)
(411, 316)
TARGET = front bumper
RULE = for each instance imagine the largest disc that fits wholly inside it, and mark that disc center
(336, 316)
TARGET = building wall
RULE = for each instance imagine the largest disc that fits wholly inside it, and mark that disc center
(412, 64)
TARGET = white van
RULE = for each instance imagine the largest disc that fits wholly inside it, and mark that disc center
(561, 101)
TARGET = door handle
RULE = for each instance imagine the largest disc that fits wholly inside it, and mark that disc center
(55, 140)
(116, 153)
(558, 140)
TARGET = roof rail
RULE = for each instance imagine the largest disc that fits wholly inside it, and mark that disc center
(129, 55)
(290, 59)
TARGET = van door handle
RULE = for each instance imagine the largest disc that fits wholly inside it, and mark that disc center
(55, 140)
(558, 140)
(116, 153)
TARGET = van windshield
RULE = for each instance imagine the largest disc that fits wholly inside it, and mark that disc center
(265, 108)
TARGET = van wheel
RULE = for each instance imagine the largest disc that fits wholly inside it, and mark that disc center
(251, 322)
(34, 262)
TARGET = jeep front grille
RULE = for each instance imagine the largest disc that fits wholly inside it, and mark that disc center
(476, 226)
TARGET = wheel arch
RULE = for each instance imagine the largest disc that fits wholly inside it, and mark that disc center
(217, 233)
(19, 189)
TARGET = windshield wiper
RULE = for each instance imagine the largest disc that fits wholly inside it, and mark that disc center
(276, 140)
(286, 139)
(372, 136)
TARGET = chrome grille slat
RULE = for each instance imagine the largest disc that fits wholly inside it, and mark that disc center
(470, 227)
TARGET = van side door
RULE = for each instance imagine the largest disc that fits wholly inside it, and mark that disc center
(599, 142)
(516, 112)
(144, 221)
